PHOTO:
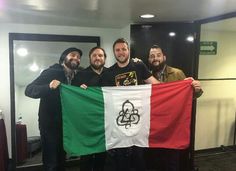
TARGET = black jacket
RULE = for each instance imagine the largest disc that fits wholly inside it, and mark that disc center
(88, 77)
(50, 104)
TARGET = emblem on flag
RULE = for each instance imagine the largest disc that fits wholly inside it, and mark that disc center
(128, 115)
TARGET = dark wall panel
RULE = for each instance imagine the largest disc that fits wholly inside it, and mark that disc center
(180, 52)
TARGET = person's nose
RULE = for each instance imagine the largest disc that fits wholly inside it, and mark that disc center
(97, 57)
(155, 57)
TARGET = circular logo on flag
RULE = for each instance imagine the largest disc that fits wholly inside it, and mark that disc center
(128, 118)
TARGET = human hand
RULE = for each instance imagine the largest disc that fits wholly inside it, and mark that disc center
(54, 84)
(195, 83)
(136, 60)
(83, 86)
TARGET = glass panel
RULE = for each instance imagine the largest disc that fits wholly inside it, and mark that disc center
(30, 57)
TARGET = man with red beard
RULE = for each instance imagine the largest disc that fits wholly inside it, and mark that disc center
(46, 88)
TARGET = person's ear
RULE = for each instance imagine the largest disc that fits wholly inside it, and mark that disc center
(164, 57)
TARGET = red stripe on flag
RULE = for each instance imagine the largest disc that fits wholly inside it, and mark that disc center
(171, 106)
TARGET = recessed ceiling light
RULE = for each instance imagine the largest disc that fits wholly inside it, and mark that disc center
(190, 38)
(147, 16)
(172, 34)
(34, 67)
(22, 51)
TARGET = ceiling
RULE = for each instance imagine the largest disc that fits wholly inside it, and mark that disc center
(104, 13)
(109, 13)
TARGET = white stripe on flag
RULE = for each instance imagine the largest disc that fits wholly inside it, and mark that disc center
(127, 115)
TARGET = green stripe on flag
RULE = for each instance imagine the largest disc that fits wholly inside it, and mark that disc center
(83, 120)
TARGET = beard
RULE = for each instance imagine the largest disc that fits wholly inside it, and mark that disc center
(122, 59)
(72, 64)
(97, 66)
(157, 68)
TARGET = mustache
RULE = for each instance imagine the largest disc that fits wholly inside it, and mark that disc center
(97, 60)
(156, 61)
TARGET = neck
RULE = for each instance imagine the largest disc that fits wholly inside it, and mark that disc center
(122, 65)
(98, 71)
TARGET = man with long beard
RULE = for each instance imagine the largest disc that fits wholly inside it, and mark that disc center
(46, 88)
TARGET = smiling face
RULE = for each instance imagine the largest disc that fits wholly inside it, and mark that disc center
(156, 58)
(97, 59)
(121, 52)
(72, 60)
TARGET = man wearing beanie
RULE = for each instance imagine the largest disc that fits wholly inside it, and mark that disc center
(46, 88)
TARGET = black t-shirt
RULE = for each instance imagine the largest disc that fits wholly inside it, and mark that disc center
(133, 74)
(88, 77)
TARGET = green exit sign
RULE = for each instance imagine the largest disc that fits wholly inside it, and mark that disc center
(208, 48)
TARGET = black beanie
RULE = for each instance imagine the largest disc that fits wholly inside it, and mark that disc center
(67, 51)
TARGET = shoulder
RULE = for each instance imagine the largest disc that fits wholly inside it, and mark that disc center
(53, 69)
(88, 69)
(110, 70)
(107, 71)
(173, 70)
(55, 66)
(175, 73)
(105, 68)
(114, 66)
(139, 66)
(83, 74)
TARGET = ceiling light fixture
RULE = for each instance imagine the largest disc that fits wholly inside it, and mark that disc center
(172, 34)
(190, 38)
(34, 67)
(147, 16)
(22, 52)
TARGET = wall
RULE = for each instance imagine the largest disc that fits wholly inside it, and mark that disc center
(215, 120)
(28, 108)
(107, 36)
(222, 64)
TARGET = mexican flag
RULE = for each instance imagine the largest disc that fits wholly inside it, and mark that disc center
(102, 118)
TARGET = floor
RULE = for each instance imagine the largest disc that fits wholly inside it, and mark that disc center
(219, 160)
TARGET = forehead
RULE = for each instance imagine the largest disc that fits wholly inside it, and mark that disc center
(98, 51)
(120, 45)
(155, 50)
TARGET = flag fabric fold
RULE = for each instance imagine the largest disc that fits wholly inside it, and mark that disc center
(102, 118)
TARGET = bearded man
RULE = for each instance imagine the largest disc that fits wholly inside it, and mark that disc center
(91, 76)
(168, 159)
(46, 88)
